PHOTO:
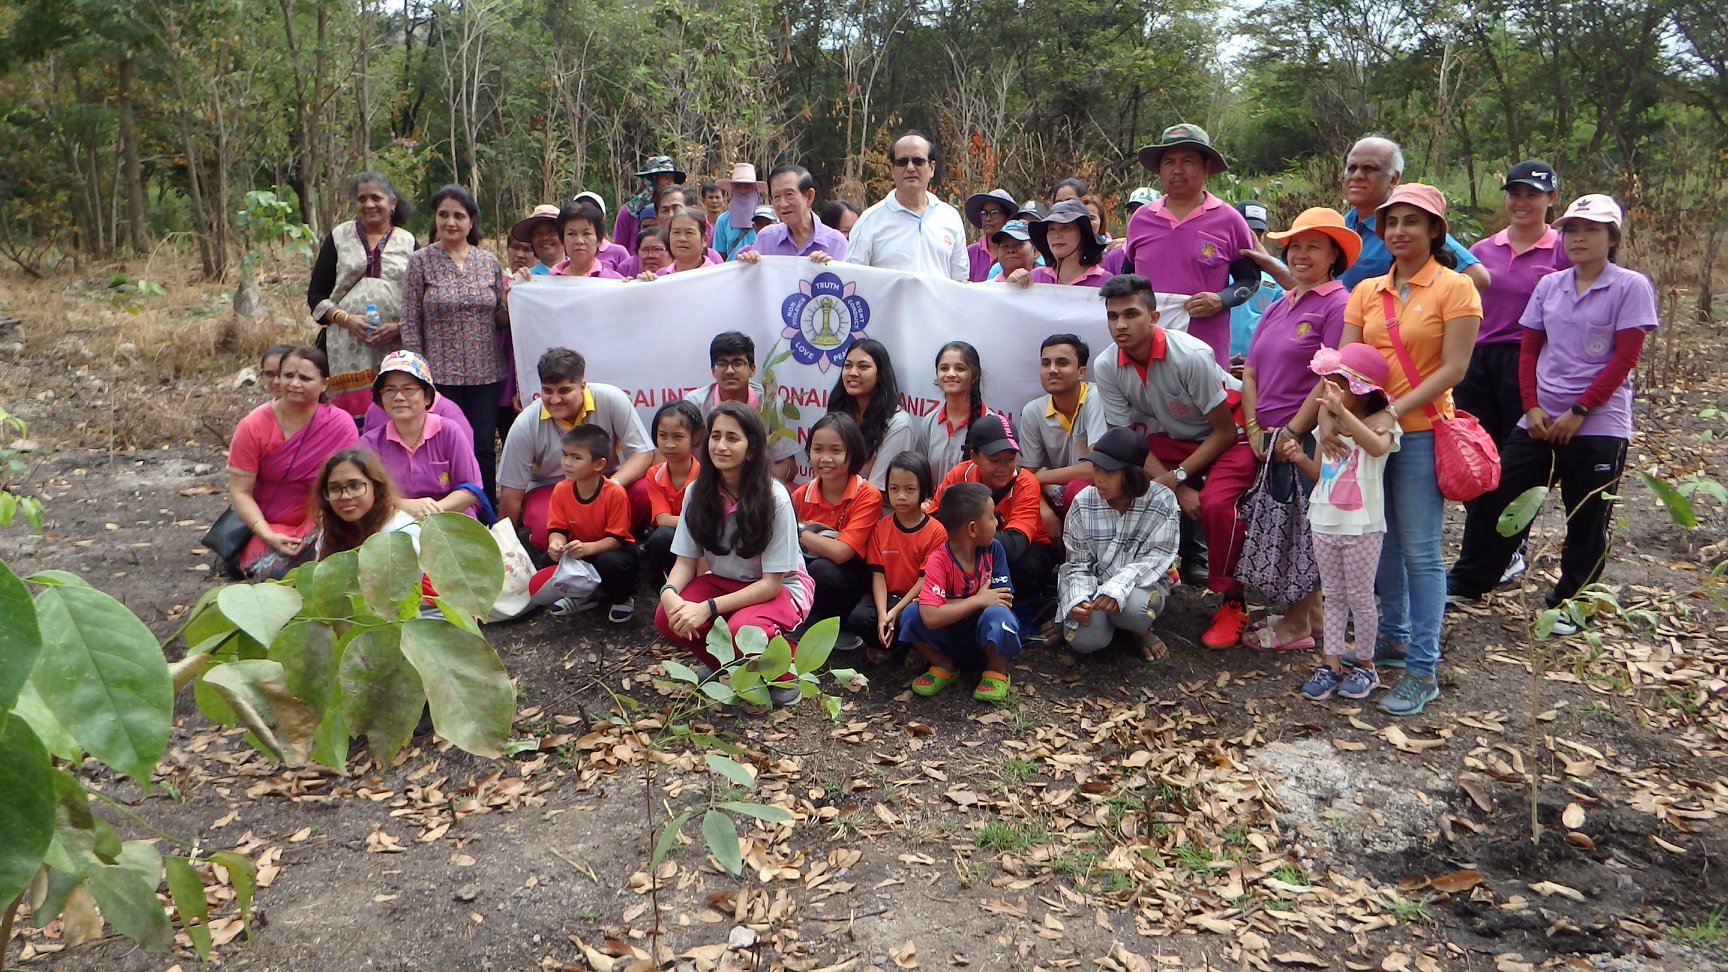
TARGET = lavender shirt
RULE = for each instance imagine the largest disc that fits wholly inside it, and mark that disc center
(1113, 260)
(1290, 331)
(776, 240)
(611, 254)
(443, 461)
(1580, 339)
(1514, 276)
(1093, 277)
(1190, 256)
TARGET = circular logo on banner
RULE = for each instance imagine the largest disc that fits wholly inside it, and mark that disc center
(823, 319)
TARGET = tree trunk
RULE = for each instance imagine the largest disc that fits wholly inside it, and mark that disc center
(139, 227)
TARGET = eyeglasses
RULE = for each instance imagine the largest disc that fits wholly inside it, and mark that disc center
(910, 161)
(987, 213)
(398, 391)
(731, 364)
(336, 491)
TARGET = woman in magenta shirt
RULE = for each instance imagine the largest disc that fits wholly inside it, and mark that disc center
(1527, 250)
(1583, 332)
(1276, 380)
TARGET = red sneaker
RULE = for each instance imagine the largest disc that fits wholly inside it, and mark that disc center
(1227, 625)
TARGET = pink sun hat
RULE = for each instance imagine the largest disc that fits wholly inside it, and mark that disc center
(1362, 366)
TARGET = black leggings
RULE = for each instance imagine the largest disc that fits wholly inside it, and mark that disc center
(480, 404)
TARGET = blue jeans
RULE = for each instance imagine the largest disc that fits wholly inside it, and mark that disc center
(1411, 580)
(964, 640)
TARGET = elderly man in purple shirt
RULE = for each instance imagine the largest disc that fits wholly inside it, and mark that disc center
(800, 232)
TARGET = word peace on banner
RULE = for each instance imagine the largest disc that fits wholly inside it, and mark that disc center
(651, 339)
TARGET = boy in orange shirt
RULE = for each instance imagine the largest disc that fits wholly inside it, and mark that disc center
(995, 462)
(589, 518)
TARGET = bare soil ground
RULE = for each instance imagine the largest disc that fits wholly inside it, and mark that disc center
(1194, 815)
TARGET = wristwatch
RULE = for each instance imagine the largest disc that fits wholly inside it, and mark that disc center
(1179, 474)
(1579, 411)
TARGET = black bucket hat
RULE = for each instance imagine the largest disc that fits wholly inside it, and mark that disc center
(1068, 211)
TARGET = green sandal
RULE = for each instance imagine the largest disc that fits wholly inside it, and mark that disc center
(932, 682)
(992, 687)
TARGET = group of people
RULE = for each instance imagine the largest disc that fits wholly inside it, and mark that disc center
(964, 535)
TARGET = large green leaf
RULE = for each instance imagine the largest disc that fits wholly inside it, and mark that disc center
(730, 768)
(761, 811)
(389, 572)
(311, 659)
(205, 625)
(20, 639)
(243, 876)
(381, 692)
(53, 734)
(470, 694)
(668, 837)
(1679, 507)
(259, 610)
(816, 645)
(462, 561)
(257, 691)
(1516, 517)
(103, 676)
(129, 903)
(722, 836)
(27, 807)
(187, 890)
(336, 581)
(73, 848)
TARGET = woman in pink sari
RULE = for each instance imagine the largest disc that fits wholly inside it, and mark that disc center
(274, 459)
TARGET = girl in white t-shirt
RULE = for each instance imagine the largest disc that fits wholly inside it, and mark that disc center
(1346, 513)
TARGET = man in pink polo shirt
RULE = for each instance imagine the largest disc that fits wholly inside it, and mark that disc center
(1190, 241)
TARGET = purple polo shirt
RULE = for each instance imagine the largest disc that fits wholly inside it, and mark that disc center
(1093, 277)
(980, 261)
(443, 461)
(1190, 256)
(776, 240)
(1580, 332)
(1113, 260)
(444, 408)
(611, 254)
(1514, 276)
(1291, 330)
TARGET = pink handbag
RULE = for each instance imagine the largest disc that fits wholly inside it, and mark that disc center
(1466, 462)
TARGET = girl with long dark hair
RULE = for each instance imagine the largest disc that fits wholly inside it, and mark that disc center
(868, 391)
(960, 379)
(740, 519)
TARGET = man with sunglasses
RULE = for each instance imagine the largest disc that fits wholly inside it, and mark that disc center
(911, 229)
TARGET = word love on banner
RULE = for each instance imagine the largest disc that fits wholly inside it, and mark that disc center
(651, 339)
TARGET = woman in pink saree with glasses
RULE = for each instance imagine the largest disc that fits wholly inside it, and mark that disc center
(274, 459)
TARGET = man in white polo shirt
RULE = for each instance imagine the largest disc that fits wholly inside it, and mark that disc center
(531, 466)
(1169, 385)
(911, 229)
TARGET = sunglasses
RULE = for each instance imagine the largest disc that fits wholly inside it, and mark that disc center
(910, 161)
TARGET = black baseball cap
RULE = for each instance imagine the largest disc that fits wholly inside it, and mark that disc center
(1537, 175)
(990, 435)
(1117, 449)
(1254, 212)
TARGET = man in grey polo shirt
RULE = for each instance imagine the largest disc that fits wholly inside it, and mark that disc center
(530, 465)
(1058, 428)
(1169, 385)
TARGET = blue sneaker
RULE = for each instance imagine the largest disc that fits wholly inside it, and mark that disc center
(1359, 683)
(1389, 653)
(1411, 695)
(1322, 683)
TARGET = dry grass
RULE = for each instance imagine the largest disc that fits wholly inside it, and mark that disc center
(140, 369)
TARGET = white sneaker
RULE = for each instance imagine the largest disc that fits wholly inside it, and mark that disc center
(1513, 569)
(1563, 627)
(565, 607)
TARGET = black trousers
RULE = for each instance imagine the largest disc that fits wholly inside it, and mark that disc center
(1489, 390)
(657, 550)
(1031, 566)
(1587, 469)
(863, 619)
(838, 586)
(618, 569)
(479, 403)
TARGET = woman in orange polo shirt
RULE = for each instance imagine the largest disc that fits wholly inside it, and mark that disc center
(1436, 311)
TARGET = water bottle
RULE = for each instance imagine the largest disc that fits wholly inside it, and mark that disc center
(372, 321)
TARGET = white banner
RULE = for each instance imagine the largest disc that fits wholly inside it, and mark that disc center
(651, 339)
